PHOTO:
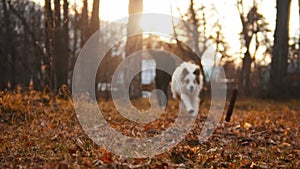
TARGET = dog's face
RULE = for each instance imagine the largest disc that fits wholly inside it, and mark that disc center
(190, 79)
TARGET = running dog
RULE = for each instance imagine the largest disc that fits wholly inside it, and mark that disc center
(186, 85)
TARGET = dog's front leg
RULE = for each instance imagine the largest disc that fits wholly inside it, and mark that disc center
(196, 102)
(187, 103)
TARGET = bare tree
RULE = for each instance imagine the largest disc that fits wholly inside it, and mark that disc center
(42, 34)
(195, 35)
(133, 44)
(75, 39)
(280, 50)
(66, 43)
(57, 42)
(8, 56)
(252, 23)
(201, 35)
(89, 24)
(84, 22)
(47, 67)
(61, 48)
(95, 23)
(28, 55)
(20, 24)
(192, 32)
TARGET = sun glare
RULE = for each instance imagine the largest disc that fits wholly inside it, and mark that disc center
(114, 10)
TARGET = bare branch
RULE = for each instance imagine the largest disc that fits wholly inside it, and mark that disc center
(26, 27)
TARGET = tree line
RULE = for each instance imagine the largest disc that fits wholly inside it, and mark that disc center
(39, 44)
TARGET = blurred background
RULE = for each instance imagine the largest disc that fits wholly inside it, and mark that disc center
(257, 42)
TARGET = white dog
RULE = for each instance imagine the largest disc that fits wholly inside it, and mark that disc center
(186, 85)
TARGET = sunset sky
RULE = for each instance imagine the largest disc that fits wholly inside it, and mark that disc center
(226, 12)
(226, 9)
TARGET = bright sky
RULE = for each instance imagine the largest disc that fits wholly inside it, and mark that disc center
(227, 12)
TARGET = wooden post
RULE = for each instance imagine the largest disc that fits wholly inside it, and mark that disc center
(231, 105)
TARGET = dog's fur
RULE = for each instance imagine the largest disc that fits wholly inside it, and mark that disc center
(186, 85)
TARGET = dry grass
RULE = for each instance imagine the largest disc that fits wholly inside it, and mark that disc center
(39, 133)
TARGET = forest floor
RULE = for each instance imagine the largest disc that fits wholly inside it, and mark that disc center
(36, 132)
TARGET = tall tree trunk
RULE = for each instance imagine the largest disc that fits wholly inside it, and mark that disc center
(133, 44)
(76, 30)
(10, 68)
(247, 32)
(196, 37)
(95, 23)
(57, 43)
(66, 49)
(60, 45)
(5, 53)
(280, 50)
(84, 23)
(47, 68)
(246, 71)
(38, 54)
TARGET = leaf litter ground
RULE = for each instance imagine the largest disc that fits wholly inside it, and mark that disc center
(36, 132)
